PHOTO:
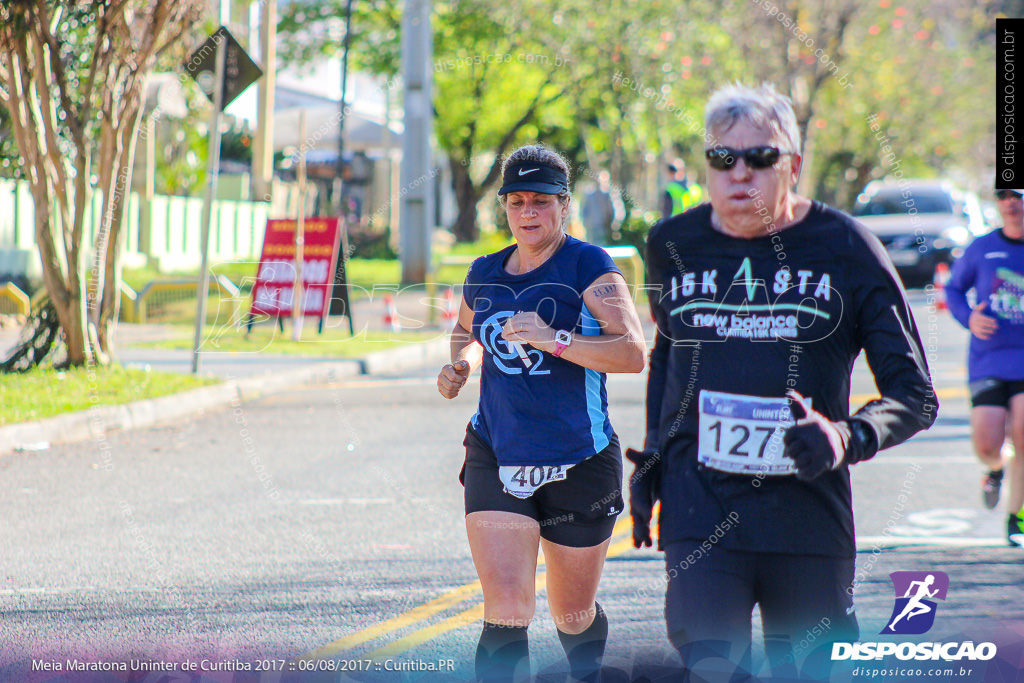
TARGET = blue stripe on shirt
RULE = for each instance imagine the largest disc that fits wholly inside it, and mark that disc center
(591, 328)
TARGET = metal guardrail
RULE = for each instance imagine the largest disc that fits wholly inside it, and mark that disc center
(128, 299)
(13, 300)
(142, 306)
(166, 297)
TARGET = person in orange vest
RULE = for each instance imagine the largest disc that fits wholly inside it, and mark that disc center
(680, 193)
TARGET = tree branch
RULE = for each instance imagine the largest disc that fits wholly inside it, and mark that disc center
(60, 78)
(510, 134)
(57, 171)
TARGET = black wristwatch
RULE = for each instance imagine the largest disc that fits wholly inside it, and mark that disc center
(865, 443)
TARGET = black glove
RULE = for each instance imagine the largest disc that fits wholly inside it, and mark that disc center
(815, 443)
(644, 485)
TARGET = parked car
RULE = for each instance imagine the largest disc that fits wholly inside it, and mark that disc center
(991, 214)
(922, 223)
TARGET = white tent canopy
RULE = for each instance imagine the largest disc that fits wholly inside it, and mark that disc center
(362, 132)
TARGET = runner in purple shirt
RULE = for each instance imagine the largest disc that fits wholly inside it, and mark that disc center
(993, 266)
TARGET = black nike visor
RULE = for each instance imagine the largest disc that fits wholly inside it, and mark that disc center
(532, 176)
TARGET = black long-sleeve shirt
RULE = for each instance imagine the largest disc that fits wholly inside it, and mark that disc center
(753, 318)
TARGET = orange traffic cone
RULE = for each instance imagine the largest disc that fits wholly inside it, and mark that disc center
(939, 281)
(391, 314)
(450, 315)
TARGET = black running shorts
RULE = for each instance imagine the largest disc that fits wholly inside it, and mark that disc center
(995, 392)
(578, 511)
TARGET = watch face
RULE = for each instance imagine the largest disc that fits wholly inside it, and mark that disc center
(563, 337)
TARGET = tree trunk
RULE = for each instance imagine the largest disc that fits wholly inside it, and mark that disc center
(120, 184)
(36, 86)
(68, 301)
(467, 196)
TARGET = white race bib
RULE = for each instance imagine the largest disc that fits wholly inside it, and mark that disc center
(743, 434)
(522, 481)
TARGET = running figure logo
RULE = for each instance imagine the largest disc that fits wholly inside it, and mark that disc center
(914, 612)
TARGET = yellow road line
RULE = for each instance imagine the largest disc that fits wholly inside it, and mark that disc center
(948, 392)
(620, 546)
(476, 613)
(439, 604)
(395, 648)
(622, 542)
(417, 614)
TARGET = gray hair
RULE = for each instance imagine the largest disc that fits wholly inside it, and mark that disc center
(763, 107)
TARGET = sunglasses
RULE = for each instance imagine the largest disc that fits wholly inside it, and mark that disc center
(1007, 194)
(724, 158)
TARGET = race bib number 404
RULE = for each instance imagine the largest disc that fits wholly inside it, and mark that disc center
(522, 480)
(743, 434)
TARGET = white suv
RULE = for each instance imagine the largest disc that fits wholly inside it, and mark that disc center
(922, 223)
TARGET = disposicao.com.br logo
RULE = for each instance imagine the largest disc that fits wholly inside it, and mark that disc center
(913, 613)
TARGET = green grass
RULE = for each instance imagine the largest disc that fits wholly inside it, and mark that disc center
(179, 307)
(487, 244)
(364, 273)
(44, 393)
(363, 276)
(267, 339)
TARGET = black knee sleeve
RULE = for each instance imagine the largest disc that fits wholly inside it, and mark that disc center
(503, 653)
(585, 650)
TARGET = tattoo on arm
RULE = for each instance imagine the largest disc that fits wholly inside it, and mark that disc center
(604, 291)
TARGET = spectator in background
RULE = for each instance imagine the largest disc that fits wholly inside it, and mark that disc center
(599, 212)
(680, 193)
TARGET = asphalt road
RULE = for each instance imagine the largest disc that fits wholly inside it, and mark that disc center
(322, 530)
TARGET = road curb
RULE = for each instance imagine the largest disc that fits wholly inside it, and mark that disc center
(435, 352)
(96, 422)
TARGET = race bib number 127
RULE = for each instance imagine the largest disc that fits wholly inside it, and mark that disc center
(743, 434)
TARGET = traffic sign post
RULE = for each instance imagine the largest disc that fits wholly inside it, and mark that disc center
(222, 69)
(239, 70)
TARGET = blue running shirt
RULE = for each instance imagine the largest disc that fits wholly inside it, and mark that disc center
(547, 411)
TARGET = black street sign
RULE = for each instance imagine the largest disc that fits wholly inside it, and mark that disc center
(239, 70)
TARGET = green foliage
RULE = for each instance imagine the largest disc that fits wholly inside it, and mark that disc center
(316, 28)
(488, 243)
(236, 145)
(633, 232)
(181, 161)
(922, 67)
(370, 244)
(182, 144)
(10, 160)
(73, 77)
(929, 126)
(624, 88)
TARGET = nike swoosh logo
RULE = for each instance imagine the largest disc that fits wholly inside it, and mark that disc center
(522, 172)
